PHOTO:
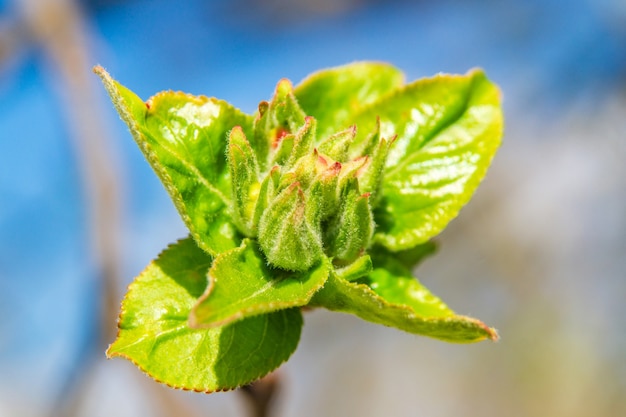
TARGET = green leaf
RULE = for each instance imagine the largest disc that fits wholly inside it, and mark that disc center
(409, 258)
(155, 336)
(393, 281)
(448, 128)
(333, 96)
(292, 177)
(303, 141)
(361, 267)
(371, 179)
(242, 285)
(395, 301)
(184, 138)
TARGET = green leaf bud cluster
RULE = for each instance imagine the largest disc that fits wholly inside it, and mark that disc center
(300, 197)
(328, 196)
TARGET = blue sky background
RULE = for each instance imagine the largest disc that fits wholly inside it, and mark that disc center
(561, 66)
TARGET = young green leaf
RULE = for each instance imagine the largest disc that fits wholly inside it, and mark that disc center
(303, 190)
(448, 129)
(359, 268)
(241, 284)
(413, 313)
(184, 139)
(409, 258)
(154, 334)
(393, 281)
(333, 96)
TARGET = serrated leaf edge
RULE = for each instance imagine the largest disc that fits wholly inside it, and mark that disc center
(261, 308)
(110, 353)
(489, 332)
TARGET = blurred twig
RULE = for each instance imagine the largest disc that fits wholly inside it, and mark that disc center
(58, 28)
(260, 394)
(11, 39)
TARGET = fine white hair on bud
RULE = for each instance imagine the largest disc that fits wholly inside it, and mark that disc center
(302, 197)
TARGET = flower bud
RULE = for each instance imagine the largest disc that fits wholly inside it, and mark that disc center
(371, 176)
(357, 269)
(286, 235)
(244, 172)
(303, 141)
(337, 145)
(267, 191)
(323, 192)
(348, 234)
(278, 118)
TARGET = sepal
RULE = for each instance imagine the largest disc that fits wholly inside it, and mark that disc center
(349, 233)
(244, 173)
(279, 118)
(336, 146)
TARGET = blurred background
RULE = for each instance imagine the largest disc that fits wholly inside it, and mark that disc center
(540, 253)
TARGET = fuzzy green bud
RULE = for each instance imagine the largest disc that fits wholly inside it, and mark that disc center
(336, 146)
(286, 234)
(348, 234)
(303, 141)
(244, 173)
(281, 117)
(267, 191)
(371, 177)
(323, 192)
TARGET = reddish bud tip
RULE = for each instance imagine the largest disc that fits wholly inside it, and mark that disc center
(263, 106)
(284, 87)
(279, 134)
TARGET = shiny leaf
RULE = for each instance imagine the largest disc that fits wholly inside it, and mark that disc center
(448, 129)
(404, 311)
(184, 138)
(241, 284)
(155, 336)
(333, 96)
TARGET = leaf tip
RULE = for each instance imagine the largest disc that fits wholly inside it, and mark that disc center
(284, 87)
(492, 334)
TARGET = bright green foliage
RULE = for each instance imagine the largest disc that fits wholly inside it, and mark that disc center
(155, 335)
(241, 284)
(327, 197)
(401, 310)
